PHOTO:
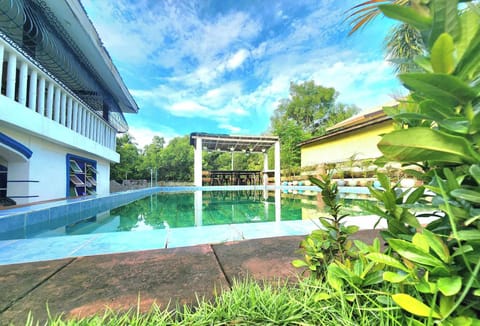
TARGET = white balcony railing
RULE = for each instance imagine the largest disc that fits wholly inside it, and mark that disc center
(26, 83)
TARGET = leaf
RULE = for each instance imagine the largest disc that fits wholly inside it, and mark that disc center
(321, 296)
(446, 90)
(424, 144)
(452, 182)
(437, 245)
(469, 22)
(466, 194)
(456, 125)
(394, 277)
(414, 253)
(475, 172)
(445, 19)
(442, 54)
(449, 285)
(415, 195)
(387, 260)
(469, 235)
(414, 306)
(469, 62)
(421, 242)
(299, 263)
(407, 15)
(423, 62)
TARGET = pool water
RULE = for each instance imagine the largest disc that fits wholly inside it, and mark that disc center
(204, 208)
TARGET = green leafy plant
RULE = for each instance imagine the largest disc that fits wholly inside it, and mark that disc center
(436, 267)
(332, 242)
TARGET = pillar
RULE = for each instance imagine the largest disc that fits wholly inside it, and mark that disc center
(56, 105)
(69, 112)
(49, 108)
(41, 96)
(11, 75)
(265, 168)
(277, 164)
(32, 94)
(198, 163)
(22, 84)
(63, 108)
(2, 51)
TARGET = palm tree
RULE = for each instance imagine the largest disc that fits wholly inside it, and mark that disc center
(365, 12)
(403, 42)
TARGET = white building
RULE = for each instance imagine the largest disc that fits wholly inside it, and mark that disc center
(61, 102)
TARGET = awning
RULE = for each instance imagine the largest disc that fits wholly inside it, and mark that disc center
(11, 149)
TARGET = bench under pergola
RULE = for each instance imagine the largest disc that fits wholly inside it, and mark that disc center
(231, 144)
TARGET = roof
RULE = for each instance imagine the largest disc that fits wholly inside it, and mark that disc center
(233, 143)
(364, 119)
(72, 17)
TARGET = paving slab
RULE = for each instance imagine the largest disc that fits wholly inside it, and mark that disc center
(17, 280)
(265, 259)
(89, 285)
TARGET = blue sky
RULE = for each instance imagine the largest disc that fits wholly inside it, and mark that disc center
(222, 66)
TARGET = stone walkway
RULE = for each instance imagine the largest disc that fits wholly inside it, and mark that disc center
(87, 285)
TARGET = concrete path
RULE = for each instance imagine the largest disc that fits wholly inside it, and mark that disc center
(84, 286)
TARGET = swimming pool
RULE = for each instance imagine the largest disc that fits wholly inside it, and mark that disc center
(166, 210)
(161, 218)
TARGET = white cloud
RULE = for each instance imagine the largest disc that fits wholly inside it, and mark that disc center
(230, 128)
(237, 59)
(143, 136)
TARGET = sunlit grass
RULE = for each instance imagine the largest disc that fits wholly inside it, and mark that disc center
(253, 303)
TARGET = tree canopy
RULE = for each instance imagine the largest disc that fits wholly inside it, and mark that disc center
(308, 111)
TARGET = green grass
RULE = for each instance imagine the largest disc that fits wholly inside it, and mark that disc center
(253, 303)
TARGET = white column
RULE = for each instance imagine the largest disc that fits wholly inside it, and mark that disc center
(2, 51)
(11, 75)
(83, 121)
(198, 207)
(265, 169)
(49, 108)
(56, 105)
(41, 96)
(198, 163)
(63, 108)
(32, 95)
(278, 205)
(88, 122)
(75, 116)
(69, 112)
(22, 84)
(277, 164)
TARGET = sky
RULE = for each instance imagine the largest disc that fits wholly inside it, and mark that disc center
(222, 66)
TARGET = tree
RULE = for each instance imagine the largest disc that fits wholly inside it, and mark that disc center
(403, 42)
(176, 162)
(129, 158)
(151, 155)
(308, 111)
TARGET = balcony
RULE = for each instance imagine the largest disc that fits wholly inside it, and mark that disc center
(30, 85)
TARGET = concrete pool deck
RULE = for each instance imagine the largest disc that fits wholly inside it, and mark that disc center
(83, 286)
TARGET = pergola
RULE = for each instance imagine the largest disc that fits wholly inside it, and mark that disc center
(232, 143)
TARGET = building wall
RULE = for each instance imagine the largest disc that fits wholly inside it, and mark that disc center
(361, 143)
(44, 175)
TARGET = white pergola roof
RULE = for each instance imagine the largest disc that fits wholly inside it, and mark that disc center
(228, 143)
(233, 143)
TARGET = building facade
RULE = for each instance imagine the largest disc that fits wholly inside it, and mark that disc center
(61, 103)
(353, 139)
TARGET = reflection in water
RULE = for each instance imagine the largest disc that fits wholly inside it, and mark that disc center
(199, 208)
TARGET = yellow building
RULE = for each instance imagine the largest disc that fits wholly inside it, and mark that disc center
(355, 138)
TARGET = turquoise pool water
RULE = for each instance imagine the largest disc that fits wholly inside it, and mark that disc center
(201, 208)
(167, 217)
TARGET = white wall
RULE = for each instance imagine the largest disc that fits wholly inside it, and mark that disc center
(47, 166)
